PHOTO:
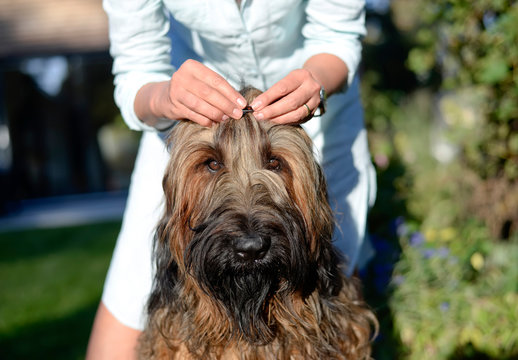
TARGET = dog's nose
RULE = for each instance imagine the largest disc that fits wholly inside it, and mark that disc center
(251, 247)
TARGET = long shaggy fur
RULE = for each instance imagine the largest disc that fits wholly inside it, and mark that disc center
(245, 179)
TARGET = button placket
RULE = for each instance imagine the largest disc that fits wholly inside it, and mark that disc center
(252, 68)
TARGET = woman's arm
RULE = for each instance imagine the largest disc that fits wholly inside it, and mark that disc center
(329, 71)
(149, 91)
(110, 339)
(332, 43)
(140, 49)
(284, 102)
(193, 93)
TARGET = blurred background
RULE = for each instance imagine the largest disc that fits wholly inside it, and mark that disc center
(440, 90)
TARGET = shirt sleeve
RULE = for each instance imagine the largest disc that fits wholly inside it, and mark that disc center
(141, 51)
(336, 27)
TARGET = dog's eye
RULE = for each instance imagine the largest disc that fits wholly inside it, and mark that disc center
(273, 164)
(213, 165)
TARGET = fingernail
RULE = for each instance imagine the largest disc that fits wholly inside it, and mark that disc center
(225, 117)
(256, 104)
(237, 113)
(241, 102)
(259, 116)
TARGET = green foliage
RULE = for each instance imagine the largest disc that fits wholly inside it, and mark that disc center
(453, 281)
(452, 295)
(472, 45)
(445, 148)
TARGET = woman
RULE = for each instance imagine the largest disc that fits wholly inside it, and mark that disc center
(184, 60)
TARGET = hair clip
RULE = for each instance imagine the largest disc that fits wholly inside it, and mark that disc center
(247, 110)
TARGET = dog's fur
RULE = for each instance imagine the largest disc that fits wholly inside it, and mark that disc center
(238, 183)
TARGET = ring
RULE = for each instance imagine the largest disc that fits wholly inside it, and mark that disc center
(307, 108)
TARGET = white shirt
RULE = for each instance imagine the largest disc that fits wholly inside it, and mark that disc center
(256, 43)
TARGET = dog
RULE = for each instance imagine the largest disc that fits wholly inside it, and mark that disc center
(245, 266)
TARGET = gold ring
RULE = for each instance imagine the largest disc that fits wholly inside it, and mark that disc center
(307, 108)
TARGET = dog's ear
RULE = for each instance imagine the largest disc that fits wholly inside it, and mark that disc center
(166, 271)
(321, 222)
(329, 276)
(327, 258)
(307, 187)
(186, 189)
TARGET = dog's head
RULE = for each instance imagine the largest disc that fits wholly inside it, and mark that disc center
(246, 219)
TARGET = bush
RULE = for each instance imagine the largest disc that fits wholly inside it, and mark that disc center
(443, 133)
(453, 296)
(467, 50)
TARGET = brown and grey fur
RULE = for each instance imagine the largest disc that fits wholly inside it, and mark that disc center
(249, 179)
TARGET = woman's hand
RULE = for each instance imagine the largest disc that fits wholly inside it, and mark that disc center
(292, 100)
(194, 93)
(295, 98)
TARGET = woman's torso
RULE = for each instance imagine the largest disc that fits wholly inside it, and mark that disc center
(256, 42)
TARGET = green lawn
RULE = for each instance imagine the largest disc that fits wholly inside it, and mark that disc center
(50, 285)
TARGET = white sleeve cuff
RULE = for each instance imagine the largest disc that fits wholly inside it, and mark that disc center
(126, 88)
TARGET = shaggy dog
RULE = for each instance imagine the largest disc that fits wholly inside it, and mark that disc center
(245, 264)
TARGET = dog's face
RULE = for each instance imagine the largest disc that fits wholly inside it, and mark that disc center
(246, 220)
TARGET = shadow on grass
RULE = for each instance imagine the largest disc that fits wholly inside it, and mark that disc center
(39, 242)
(51, 281)
(65, 338)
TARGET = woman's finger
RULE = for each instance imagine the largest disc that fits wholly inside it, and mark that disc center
(200, 106)
(218, 101)
(279, 90)
(299, 115)
(222, 86)
(304, 94)
(191, 115)
(202, 82)
(282, 88)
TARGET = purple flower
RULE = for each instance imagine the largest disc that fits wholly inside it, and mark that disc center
(428, 253)
(445, 306)
(398, 280)
(416, 239)
(399, 226)
(443, 252)
(489, 19)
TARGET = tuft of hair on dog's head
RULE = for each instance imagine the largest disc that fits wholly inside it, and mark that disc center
(250, 93)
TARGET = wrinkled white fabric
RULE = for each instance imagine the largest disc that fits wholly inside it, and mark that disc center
(255, 44)
(258, 43)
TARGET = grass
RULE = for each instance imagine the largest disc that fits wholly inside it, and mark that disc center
(50, 285)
